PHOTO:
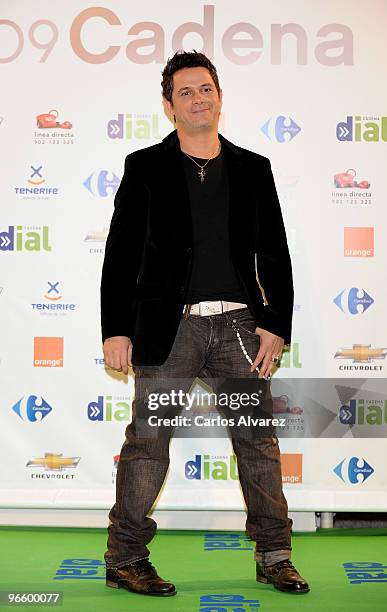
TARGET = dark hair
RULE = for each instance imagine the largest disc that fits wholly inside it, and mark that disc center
(185, 59)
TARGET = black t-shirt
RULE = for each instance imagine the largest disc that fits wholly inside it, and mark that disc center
(213, 276)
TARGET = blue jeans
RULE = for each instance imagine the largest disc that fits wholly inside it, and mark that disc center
(207, 348)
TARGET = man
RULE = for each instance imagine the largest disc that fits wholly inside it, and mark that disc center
(196, 218)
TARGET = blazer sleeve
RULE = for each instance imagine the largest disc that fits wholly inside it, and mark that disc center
(123, 254)
(273, 262)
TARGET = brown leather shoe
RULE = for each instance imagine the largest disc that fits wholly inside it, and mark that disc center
(139, 577)
(283, 576)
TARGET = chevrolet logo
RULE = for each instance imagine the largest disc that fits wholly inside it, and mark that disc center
(361, 353)
(51, 461)
(97, 236)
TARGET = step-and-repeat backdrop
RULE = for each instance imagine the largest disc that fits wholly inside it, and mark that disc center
(303, 84)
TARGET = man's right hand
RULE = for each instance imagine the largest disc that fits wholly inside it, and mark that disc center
(117, 352)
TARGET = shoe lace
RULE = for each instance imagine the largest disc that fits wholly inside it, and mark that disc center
(142, 567)
(286, 563)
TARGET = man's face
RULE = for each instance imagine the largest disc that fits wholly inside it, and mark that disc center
(196, 103)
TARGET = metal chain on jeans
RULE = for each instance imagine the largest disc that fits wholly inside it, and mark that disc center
(244, 349)
(242, 345)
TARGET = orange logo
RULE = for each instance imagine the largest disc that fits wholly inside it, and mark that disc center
(291, 467)
(358, 242)
(48, 352)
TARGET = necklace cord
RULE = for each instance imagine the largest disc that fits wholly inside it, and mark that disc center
(218, 148)
(202, 172)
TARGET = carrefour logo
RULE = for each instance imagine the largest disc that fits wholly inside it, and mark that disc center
(103, 183)
(32, 408)
(353, 470)
(281, 128)
(353, 301)
(204, 467)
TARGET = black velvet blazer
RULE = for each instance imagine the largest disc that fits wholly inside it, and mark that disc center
(149, 248)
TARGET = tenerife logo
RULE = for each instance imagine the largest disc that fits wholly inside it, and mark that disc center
(104, 183)
(140, 127)
(353, 301)
(53, 306)
(107, 408)
(365, 571)
(51, 131)
(215, 468)
(364, 412)
(81, 569)
(35, 190)
(48, 352)
(53, 294)
(55, 464)
(210, 603)
(36, 172)
(353, 470)
(362, 129)
(358, 242)
(226, 541)
(32, 408)
(27, 238)
(281, 128)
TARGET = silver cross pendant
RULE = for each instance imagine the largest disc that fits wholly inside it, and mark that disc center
(202, 175)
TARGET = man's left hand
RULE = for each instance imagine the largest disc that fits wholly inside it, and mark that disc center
(270, 349)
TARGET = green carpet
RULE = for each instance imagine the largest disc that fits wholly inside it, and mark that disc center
(31, 559)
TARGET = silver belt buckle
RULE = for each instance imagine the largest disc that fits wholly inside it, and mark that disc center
(210, 308)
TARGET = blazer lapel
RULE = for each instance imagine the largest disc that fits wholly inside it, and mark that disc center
(237, 190)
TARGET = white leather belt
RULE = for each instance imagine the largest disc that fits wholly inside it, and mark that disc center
(206, 309)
